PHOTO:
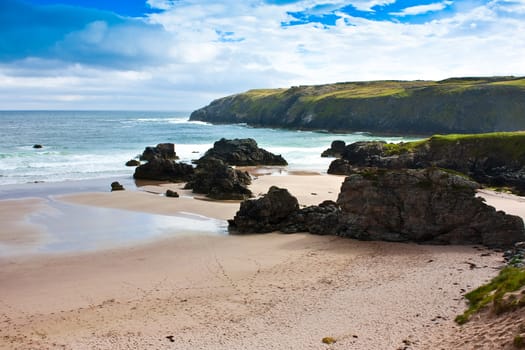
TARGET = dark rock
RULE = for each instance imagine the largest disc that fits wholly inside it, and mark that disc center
(173, 194)
(162, 151)
(217, 180)
(37, 146)
(116, 186)
(322, 219)
(133, 162)
(426, 205)
(340, 167)
(265, 214)
(336, 149)
(242, 152)
(161, 169)
(491, 159)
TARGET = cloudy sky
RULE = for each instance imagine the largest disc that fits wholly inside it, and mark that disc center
(181, 54)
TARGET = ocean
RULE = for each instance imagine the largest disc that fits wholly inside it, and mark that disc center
(86, 145)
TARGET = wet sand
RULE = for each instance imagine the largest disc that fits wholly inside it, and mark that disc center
(212, 291)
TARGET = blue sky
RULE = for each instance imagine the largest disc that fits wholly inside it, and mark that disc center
(181, 54)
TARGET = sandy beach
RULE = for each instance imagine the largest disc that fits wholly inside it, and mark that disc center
(216, 291)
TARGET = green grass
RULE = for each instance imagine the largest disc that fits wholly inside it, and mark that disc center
(509, 279)
(510, 145)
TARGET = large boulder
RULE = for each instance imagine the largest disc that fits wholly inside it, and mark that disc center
(265, 214)
(278, 210)
(217, 180)
(161, 169)
(242, 152)
(162, 151)
(424, 205)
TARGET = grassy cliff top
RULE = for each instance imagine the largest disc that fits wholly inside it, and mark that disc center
(380, 88)
(507, 144)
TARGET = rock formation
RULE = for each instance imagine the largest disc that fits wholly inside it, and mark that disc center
(164, 170)
(424, 205)
(242, 152)
(217, 180)
(496, 159)
(161, 165)
(336, 149)
(116, 186)
(132, 162)
(162, 151)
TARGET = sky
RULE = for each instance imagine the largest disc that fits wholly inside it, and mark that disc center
(181, 54)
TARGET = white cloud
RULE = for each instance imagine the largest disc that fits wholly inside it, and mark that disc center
(183, 65)
(422, 9)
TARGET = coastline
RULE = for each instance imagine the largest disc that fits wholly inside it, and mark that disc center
(213, 291)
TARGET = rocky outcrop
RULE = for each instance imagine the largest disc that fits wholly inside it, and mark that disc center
(336, 149)
(161, 151)
(242, 152)
(458, 105)
(161, 169)
(265, 214)
(427, 205)
(278, 210)
(217, 180)
(424, 206)
(496, 159)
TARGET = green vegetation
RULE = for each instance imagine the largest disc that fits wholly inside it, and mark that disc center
(509, 279)
(508, 145)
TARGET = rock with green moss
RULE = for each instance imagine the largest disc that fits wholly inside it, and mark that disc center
(494, 159)
(401, 107)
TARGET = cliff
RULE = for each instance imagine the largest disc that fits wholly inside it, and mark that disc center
(457, 105)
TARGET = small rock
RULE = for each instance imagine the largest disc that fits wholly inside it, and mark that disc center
(132, 162)
(116, 186)
(171, 338)
(173, 194)
(37, 146)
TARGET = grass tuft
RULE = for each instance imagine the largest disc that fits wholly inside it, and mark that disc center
(509, 279)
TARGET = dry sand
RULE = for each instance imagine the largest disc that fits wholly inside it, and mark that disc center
(270, 291)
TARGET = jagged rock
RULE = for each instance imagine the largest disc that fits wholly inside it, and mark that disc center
(161, 169)
(265, 214)
(336, 149)
(424, 205)
(219, 181)
(116, 186)
(162, 151)
(132, 162)
(172, 194)
(242, 152)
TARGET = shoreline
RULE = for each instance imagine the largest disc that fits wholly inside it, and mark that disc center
(213, 291)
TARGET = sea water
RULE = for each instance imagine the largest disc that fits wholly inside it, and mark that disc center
(80, 145)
